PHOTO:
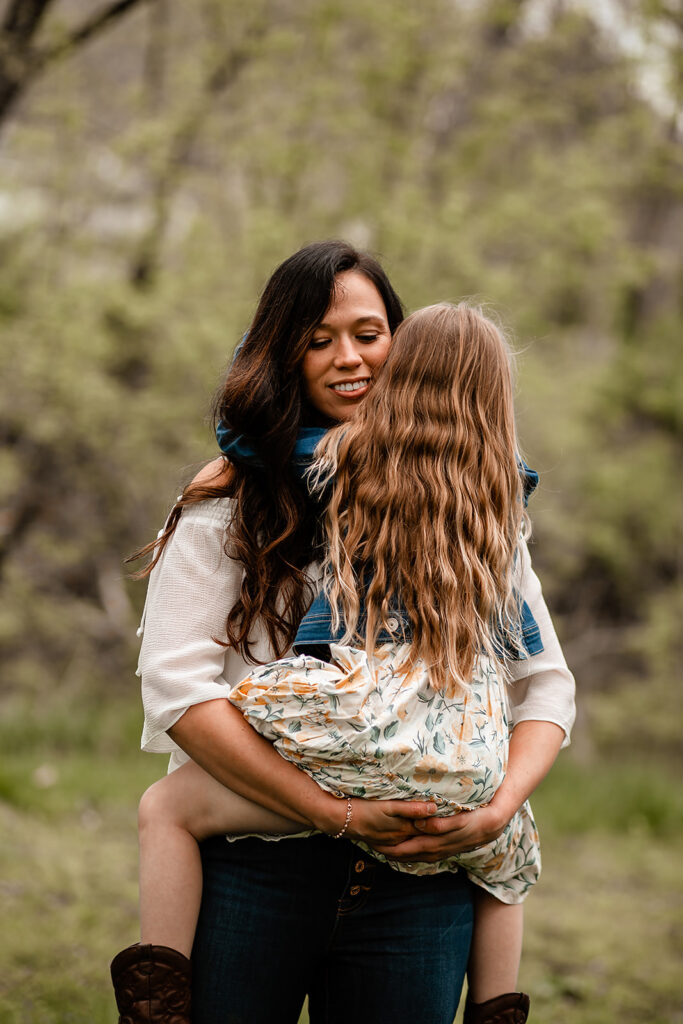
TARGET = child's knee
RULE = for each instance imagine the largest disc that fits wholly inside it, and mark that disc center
(154, 807)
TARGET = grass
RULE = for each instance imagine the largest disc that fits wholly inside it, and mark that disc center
(604, 931)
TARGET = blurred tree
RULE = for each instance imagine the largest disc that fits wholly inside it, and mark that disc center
(21, 61)
(152, 180)
(225, 64)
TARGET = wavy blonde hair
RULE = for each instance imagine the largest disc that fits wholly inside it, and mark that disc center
(427, 502)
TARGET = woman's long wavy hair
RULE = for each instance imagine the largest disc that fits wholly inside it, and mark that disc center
(275, 530)
(427, 503)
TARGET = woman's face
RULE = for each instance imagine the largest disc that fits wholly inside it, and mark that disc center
(347, 348)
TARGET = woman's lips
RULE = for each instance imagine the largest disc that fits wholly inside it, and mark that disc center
(351, 389)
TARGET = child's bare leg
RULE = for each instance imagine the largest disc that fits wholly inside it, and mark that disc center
(176, 812)
(496, 947)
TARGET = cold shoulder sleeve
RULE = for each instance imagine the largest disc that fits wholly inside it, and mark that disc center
(190, 592)
(542, 687)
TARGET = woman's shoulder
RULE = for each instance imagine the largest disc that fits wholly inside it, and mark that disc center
(214, 508)
(217, 473)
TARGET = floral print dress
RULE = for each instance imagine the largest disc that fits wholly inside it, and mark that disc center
(375, 728)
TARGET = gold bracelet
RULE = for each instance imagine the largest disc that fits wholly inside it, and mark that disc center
(349, 815)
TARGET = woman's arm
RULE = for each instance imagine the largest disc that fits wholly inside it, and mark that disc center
(541, 687)
(217, 738)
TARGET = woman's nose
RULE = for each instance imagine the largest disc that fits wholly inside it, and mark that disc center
(347, 353)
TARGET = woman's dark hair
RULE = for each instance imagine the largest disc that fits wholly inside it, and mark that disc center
(274, 531)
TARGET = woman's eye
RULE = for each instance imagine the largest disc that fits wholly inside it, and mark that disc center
(319, 342)
(367, 337)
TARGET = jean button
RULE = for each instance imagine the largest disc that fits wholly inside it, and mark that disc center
(392, 623)
(360, 865)
(354, 890)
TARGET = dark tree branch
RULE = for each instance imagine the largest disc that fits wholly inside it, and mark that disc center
(22, 18)
(21, 62)
(90, 28)
(21, 22)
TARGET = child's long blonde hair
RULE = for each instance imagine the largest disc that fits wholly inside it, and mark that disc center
(427, 502)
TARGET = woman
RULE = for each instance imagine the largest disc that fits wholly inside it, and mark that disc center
(320, 333)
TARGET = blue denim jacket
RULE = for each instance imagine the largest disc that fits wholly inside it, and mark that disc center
(315, 630)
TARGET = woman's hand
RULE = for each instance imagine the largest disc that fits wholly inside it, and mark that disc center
(439, 838)
(386, 822)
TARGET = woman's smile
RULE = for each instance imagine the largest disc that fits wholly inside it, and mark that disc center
(351, 388)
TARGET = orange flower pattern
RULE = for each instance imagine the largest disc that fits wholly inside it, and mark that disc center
(374, 728)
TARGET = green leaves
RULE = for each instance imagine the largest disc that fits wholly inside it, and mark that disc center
(438, 743)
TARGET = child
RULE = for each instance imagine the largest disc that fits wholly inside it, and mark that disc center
(402, 693)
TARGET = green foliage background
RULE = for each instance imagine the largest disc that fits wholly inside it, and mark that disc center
(149, 182)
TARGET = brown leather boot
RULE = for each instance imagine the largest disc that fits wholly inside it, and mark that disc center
(152, 985)
(512, 1008)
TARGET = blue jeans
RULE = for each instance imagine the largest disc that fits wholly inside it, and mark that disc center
(317, 916)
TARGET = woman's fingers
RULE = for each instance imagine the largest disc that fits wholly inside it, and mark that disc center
(377, 822)
(455, 834)
(437, 826)
(422, 848)
(411, 851)
(410, 808)
(407, 829)
(425, 839)
(479, 826)
(388, 823)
